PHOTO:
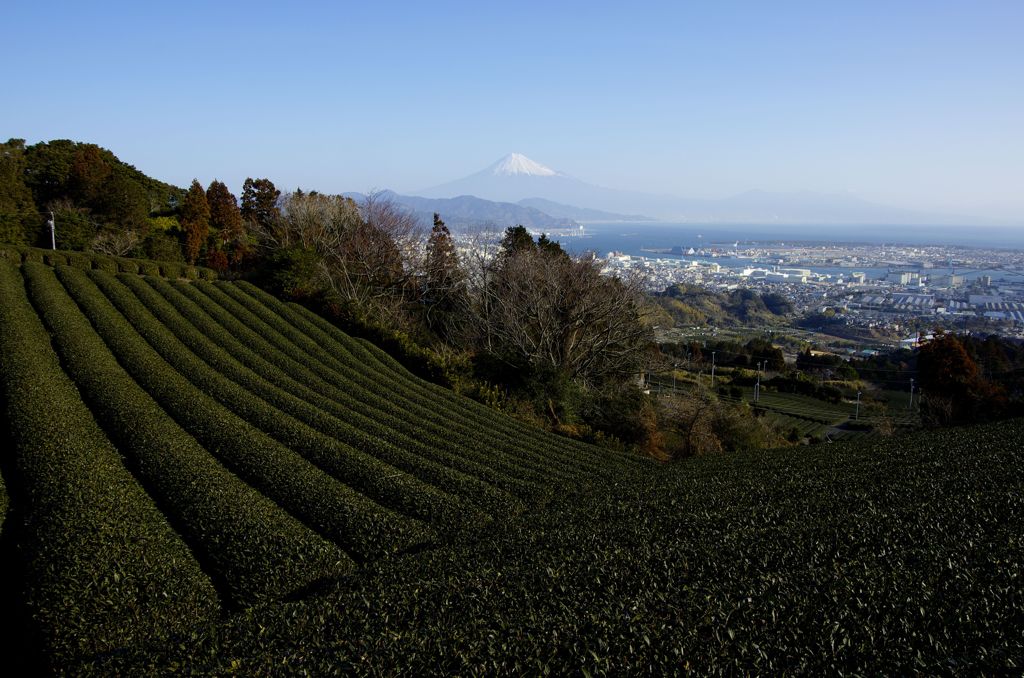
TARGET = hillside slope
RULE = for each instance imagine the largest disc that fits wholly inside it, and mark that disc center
(181, 450)
(202, 476)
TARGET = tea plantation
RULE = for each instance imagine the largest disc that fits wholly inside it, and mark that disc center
(200, 478)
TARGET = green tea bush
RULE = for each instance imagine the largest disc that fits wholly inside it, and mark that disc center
(900, 557)
(4, 501)
(127, 265)
(253, 548)
(53, 258)
(102, 262)
(172, 270)
(32, 254)
(149, 267)
(82, 260)
(103, 569)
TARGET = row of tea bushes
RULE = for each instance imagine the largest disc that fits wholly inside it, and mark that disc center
(295, 422)
(103, 262)
(350, 414)
(485, 444)
(102, 567)
(252, 549)
(363, 528)
(465, 496)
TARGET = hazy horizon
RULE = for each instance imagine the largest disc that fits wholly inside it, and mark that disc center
(916, 105)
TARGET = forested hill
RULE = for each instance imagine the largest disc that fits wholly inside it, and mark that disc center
(87, 186)
(695, 305)
(198, 474)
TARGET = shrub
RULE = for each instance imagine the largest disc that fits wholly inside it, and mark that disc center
(55, 258)
(464, 442)
(79, 260)
(32, 254)
(286, 381)
(127, 265)
(102, 262)
(149, 268)
(172, 271)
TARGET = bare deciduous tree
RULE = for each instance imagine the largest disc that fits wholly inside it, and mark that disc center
(560, 313)
(115, 243)
(366, 253)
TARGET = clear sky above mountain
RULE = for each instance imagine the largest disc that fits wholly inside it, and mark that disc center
(915, 104)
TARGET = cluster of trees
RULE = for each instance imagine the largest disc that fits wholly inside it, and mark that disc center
(92, 196)
(725, 353)
(694, 305)
(516, 318)
(100, 203)
(964, 380)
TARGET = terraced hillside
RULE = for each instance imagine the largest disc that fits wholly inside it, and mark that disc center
(183, 450)
(205, 480)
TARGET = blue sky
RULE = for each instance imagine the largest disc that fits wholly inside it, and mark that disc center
(915, 104)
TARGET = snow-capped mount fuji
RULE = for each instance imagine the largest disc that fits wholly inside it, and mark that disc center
(516, 177)
(517, 164)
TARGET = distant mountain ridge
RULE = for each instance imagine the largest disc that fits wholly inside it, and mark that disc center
(518, 179)
(467, 211)
(557, 209)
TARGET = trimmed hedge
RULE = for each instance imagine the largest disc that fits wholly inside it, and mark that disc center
(127, 265)
(366, 353)
(4, 501)
(364, 528)
(53, 258)
(899, 557)
(80, 260)
(253, 549)
(102, 567)
(149, 268)
(32, 254)
(101, 262)
(172, 270)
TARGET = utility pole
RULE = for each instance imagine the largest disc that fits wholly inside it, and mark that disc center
(757, 386)
(674, 366)
(911, 405)
(856, 415)
(53, 227)
(713, 368)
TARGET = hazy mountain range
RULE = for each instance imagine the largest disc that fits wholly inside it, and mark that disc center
(520, 180)
(467, 211)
